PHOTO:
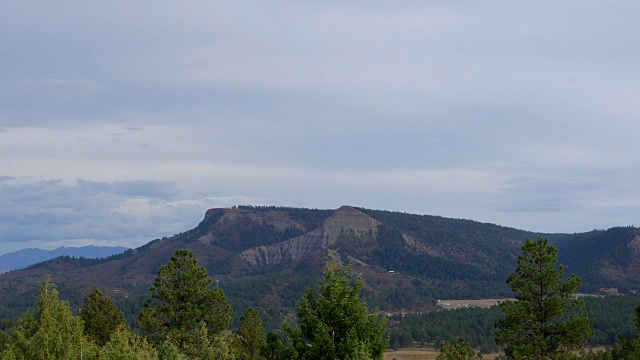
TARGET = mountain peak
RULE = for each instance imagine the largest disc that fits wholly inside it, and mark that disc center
(350, 218)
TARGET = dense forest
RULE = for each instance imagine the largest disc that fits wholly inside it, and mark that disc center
(432, 258)
(399, 263)
(184, 318)
(612, 316)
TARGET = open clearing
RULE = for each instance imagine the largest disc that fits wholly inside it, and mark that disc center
(427, 353)
(458, 304)
(485, 303)
(420, 354)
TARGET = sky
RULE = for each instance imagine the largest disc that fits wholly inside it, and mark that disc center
(124, 121)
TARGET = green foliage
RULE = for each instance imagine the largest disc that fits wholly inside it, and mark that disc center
(473, 324)
(250, 338)
(612, 316)
(624, 350)
(448, 235)
(461, 350)
(250, 293)
(5, 341)
(205, 346)
(545, 320)
(181, 301)
(628, 349)
(273, 347)
(125, 345)
(101, 317)
(588, 254)
(51, 332)
(393, 254)
(335, 323)
(168, 351)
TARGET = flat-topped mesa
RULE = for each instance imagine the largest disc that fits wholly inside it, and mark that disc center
(345, 219)
(278, 219)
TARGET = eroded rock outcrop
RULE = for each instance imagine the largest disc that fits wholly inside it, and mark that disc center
(344, 219)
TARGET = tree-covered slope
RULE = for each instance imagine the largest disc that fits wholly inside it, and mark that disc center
(264, 256)
(603, 258)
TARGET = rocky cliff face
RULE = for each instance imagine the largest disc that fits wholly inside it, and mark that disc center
(345, 219)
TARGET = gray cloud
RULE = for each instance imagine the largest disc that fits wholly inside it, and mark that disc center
(48, 213)
(139, 188)
(531, 194)
(520, 114)
(54, 90)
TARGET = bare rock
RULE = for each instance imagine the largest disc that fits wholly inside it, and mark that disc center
(345, 219)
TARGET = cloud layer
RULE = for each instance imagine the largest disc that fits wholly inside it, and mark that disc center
(524, 115)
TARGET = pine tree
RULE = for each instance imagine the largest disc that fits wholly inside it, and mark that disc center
(250, 337)
(50, 332)
(202, 346)
(181, 302)
(461, 350)
(273, 347)
(545, 321)
(101, 317)
(336, 323)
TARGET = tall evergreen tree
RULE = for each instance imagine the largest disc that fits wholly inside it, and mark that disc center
(101, 317)
(50, 332)
(250, 337)
(335, 323)
(181, 302)
(273, 347)
(545, 321)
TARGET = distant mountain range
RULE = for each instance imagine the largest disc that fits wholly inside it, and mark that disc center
(27, 257)
(265, 256)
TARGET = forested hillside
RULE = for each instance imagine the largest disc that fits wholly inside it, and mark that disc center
(264, 257)
(185, 317)
(26, 257)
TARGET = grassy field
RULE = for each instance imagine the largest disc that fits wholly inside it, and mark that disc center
(420, 354)
(459, 304)
(431, 354)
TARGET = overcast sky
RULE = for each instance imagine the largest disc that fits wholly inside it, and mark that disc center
(123, 121)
